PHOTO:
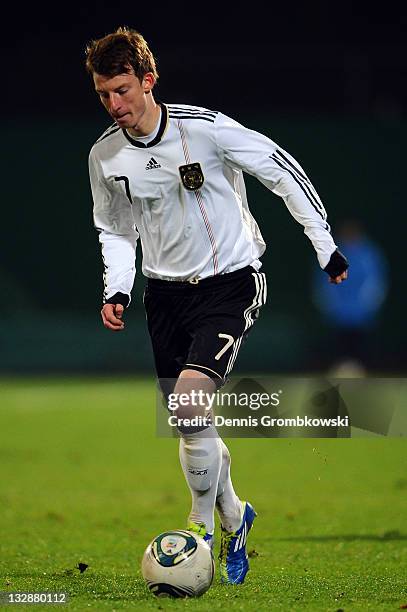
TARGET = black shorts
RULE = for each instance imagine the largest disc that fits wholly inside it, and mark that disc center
(201, 326)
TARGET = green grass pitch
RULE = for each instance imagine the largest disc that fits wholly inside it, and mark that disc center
(84, 479)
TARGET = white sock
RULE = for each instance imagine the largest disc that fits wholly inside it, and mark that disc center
(228, 505)
(201, 459)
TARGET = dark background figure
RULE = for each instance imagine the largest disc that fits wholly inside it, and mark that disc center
(354, 312)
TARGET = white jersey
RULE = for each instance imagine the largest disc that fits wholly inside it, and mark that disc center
(183, 194)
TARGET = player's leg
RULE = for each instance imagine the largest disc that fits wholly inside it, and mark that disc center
(205, 461)
(230, 313)
(217, 341)
(230, 508)
(217, 321)
(199, 450)
(169, 341)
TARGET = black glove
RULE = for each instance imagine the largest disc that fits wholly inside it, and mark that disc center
(337, 264)
(118, 298)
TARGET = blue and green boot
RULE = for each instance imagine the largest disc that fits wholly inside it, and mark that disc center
(233, 559)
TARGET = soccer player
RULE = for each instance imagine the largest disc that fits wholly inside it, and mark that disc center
(172, 175)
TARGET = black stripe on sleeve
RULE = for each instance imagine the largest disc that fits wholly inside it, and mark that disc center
(302, 174)
(303, 177)
(193, 114)
(301, 185)
(180, 109)
(210, 119)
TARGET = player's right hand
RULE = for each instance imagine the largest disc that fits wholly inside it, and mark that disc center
(112, 316)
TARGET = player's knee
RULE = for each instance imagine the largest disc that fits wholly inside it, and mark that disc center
(192, 421)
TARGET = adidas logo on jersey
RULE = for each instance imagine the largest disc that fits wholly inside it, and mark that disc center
(152, 164)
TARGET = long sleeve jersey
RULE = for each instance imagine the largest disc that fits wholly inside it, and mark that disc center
(183, 195)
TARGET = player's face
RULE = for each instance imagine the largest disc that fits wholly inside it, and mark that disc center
(124, 97)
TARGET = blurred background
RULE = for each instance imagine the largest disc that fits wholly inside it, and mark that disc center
(328, 85)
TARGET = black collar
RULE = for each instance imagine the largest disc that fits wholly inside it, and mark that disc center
(161, 130)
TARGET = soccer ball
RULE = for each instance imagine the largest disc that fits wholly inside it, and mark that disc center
(178, 564)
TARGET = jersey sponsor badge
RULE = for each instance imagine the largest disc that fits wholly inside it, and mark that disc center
(192, 176)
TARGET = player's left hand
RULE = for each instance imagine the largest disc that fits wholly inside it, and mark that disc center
(337, 268)
(338, 279)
